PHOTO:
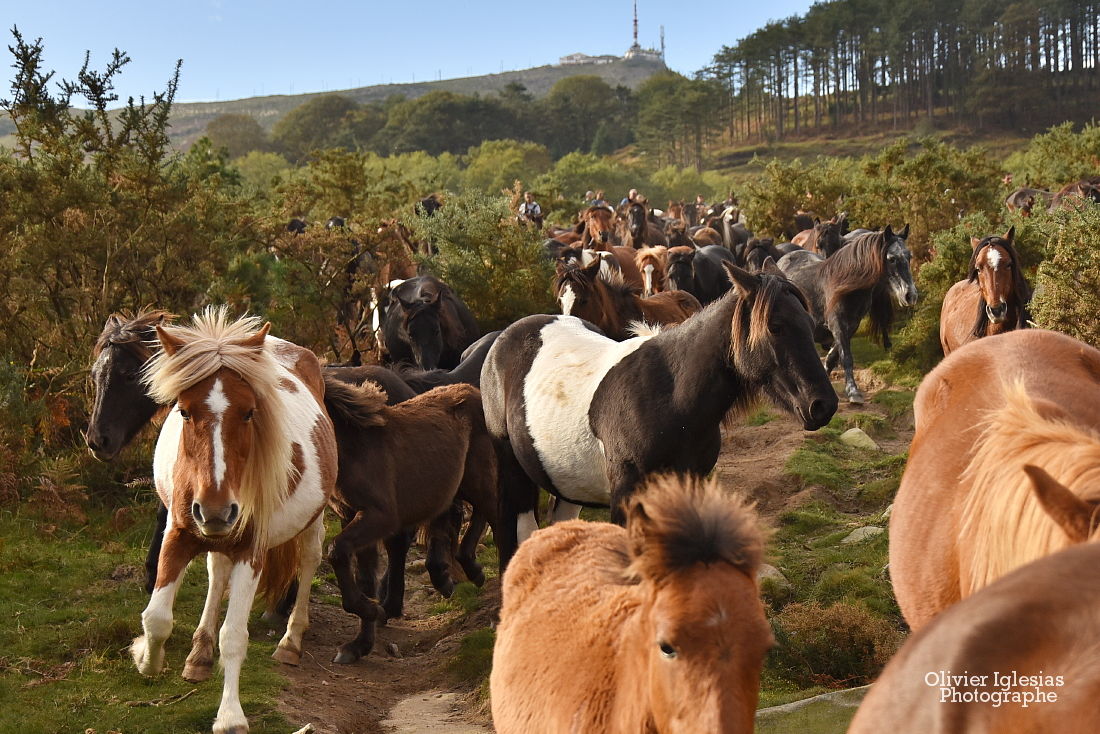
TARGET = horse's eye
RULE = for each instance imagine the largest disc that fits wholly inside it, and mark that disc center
(248, 415)
(667, 650)
(130, 376)
(185, 415)
(775, 328)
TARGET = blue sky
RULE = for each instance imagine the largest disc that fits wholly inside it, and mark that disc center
(242, 48)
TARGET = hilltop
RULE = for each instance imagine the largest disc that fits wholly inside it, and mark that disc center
(189, 119)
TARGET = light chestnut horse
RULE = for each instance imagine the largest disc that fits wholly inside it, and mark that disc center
(608, 302)
(1038, 621)
(993, 297)
(245, 463)
(966, 512)
(653, 263)
(657, 627)
(596, 226)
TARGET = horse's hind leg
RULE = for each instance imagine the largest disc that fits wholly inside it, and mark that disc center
(467, 549)
(289, 650)
(393, 582)
(518, 497)
(441, 542)
(843, 347)
(200, 661)
(153, 556)
(358, 538)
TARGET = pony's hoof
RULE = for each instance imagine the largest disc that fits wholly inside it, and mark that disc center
(477, 578)
(856, 398)
(286, 656)
(197, 672)
(389, 612)
(345, 657)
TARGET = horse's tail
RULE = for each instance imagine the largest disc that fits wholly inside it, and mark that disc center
(457, 397)
(280, 568)
(358, 406)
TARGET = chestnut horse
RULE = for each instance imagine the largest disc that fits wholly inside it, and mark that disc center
(665, 632)
(966, 512)
(653, 262)
(245, 462)
(607, 302)
(1040, 620)
(995, 290)
(597, 228)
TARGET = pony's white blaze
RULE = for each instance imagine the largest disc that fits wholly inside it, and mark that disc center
(557, 392)
(218, 403)
(993, 257)
(648, 275)
(568, 298)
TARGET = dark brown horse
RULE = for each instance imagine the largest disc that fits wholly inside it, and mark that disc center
(1023, 200)
(637, 231)
(1076, 195)
(616, 259)
(992, 299)
(406, 467)
(824, 238)
(614, 306)
(427, 324)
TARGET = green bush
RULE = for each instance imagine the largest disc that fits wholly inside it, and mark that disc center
(495, 265)
(1067, 289)
(839, 645)
(784, 187)
(1057, 157)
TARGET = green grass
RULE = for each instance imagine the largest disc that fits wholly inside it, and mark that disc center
(896, 403)
(759, 417)
(466, 599)
(65, 628)
(474, 659)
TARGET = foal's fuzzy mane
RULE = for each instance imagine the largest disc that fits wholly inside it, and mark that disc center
(132, 331)
(213, 343)
(677, 522)
(1003, 524)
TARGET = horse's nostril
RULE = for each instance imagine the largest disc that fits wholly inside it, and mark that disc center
(234, 511)
(196, 511)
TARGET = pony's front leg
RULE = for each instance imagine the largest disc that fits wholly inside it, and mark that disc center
(156, 621)
(233, 641)
(289, 650)
(200, 662)
(843, 347)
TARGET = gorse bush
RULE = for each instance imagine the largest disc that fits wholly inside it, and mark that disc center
(1057, 157)
(1067, 288)
(496, 266)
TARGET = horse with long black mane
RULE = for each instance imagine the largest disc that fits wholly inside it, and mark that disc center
(991, 299)
(863, 278)
(427, 324)
(638, 231)
(607, 302)
(401, 466)
(699, 271)
(666, 631)
(245, 462)
(588, 418)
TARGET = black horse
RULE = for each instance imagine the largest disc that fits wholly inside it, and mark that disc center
(865, 277)
(699, 271)
(427, 324)
(588, 418)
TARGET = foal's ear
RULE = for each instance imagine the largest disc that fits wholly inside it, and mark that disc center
(743, 281)
(1069, 511)
(638, 524)
(256, 341)
(770, 267)
(170, 344)
(888, 234)
(904, 233)
(974, 242)
(1010, 233)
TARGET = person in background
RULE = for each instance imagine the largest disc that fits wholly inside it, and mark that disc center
(630, 197)
(589, 198)
(530, 211)
(600, 200)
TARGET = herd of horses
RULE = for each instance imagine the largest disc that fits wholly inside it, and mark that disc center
(618, 401)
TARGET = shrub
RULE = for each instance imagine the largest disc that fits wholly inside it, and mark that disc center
(1057, 157)
(495, 265)
(843, 644)
(1067, 289)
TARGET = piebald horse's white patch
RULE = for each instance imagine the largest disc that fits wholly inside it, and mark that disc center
(218, 403)
(993, 257)
(648, 274)
(568, 298)
(557, 392)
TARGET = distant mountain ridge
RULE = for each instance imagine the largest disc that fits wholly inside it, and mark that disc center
(189, 119)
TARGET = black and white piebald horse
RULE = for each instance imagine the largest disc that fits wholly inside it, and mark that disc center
(588, 418)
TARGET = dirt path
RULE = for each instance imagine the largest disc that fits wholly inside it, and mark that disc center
(413, 693)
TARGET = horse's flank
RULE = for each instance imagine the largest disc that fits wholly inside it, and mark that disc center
(1004, 526)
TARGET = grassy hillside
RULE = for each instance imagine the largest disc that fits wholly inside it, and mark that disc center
(189, 120)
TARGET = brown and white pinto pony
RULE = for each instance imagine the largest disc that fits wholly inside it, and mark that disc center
(1040, 620)
(967, 512)
(245, 463)
(666, 630)
(609, 303)
(653, 262)
(993, 298)
(616, 259)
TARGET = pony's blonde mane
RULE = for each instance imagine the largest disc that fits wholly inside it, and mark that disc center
(1003, 524)
(212, 343)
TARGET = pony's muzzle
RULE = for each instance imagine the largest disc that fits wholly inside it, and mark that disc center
(997, 313)
(100, 444)
(819, 413)
(215, 522)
